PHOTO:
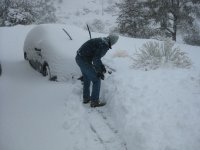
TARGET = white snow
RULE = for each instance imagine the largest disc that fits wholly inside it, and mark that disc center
(78, 13)
(56, 48)
(154, 110)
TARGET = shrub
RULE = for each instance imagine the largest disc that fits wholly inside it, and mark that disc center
(154, 55)
(13, 12)
(193, 39)
(18, 16)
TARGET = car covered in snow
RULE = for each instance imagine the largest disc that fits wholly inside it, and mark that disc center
(51, 50)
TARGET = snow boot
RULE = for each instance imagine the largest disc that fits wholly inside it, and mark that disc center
(86, 100)
(97, 103)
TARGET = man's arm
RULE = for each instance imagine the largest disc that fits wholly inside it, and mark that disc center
(97, 63)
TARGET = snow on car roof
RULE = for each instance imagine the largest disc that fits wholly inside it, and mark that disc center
(52, 37)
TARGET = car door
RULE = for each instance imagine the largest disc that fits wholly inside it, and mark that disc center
(35, 58)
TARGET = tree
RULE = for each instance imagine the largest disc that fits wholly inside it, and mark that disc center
(172, 15)
(13, 12)
(44, 12)
(163, 16)
(132, 19)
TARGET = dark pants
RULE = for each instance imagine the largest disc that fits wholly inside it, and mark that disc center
(89, 75)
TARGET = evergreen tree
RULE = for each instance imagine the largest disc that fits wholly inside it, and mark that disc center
(132, 19)
(13, 12)
(149, 17)
(44, 12)
(173, 15)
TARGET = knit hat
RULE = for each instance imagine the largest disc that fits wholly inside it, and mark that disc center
(113, 38)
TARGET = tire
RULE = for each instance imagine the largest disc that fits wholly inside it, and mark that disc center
(25, 56)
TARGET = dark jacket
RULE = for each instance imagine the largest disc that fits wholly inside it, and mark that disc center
(93, 50)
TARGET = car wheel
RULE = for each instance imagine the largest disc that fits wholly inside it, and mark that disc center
(25, 56)
(46, 71)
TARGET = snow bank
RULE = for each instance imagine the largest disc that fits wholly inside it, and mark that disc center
(155, 110)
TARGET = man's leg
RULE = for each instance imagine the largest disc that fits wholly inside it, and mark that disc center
(86, 82)
(89, 75)
(95, 102)
(86, 89)
(95, 88)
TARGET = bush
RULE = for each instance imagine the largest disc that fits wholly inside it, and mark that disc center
(193, 39)
(13, 12)
(18, 16)
(154, 55)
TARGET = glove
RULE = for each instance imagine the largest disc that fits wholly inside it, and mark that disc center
(103, 69)
(100, 75)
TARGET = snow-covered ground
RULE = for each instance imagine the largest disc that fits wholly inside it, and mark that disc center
(146, 110)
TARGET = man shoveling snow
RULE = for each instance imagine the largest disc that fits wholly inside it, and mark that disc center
(88, 59)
